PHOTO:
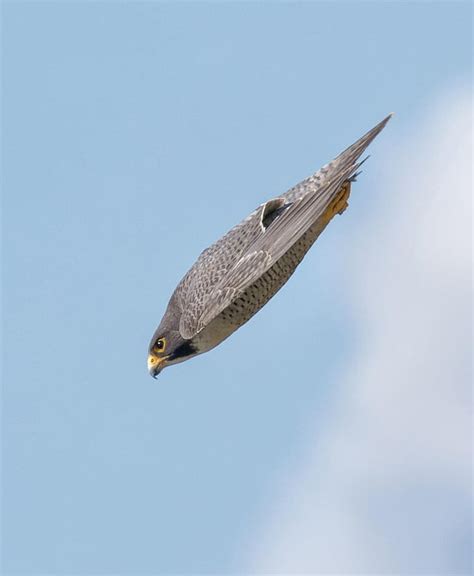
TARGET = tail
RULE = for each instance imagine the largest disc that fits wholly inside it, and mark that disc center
(354, 152)
(339, 165)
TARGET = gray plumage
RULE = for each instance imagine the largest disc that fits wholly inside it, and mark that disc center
(232, 279)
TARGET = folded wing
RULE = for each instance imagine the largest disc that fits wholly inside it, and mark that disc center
(302, 207)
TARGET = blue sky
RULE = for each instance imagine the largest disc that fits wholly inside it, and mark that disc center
(134, 135)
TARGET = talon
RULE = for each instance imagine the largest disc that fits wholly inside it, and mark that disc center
(340, 202)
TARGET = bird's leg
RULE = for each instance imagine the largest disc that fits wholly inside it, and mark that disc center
(336, 206)
(339, 204)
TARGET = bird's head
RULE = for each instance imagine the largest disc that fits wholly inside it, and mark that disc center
(168, 347)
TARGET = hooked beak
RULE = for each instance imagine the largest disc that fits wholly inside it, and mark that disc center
(156, 364)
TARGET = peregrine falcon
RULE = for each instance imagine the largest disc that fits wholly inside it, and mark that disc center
(235, 277)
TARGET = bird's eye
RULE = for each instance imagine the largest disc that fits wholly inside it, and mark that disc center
(160, 344)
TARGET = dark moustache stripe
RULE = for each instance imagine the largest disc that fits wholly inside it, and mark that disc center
(186, 349)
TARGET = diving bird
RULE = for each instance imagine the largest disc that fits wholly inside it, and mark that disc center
(236, 276)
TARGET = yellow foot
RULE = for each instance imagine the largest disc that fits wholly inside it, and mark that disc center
(339, 204)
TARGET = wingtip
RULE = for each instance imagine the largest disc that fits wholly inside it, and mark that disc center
(388, 117)
(355, 150)
(382, 123)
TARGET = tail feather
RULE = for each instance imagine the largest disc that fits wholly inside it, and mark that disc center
(337, 166)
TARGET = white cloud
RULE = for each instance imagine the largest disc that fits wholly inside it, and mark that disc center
(385, 487)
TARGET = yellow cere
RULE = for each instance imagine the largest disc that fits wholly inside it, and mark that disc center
(152, 361)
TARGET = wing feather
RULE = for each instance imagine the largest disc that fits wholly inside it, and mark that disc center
(306, 203)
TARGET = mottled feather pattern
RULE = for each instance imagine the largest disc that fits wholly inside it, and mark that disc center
(238, 274)
(252, 264)
(211, 267)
